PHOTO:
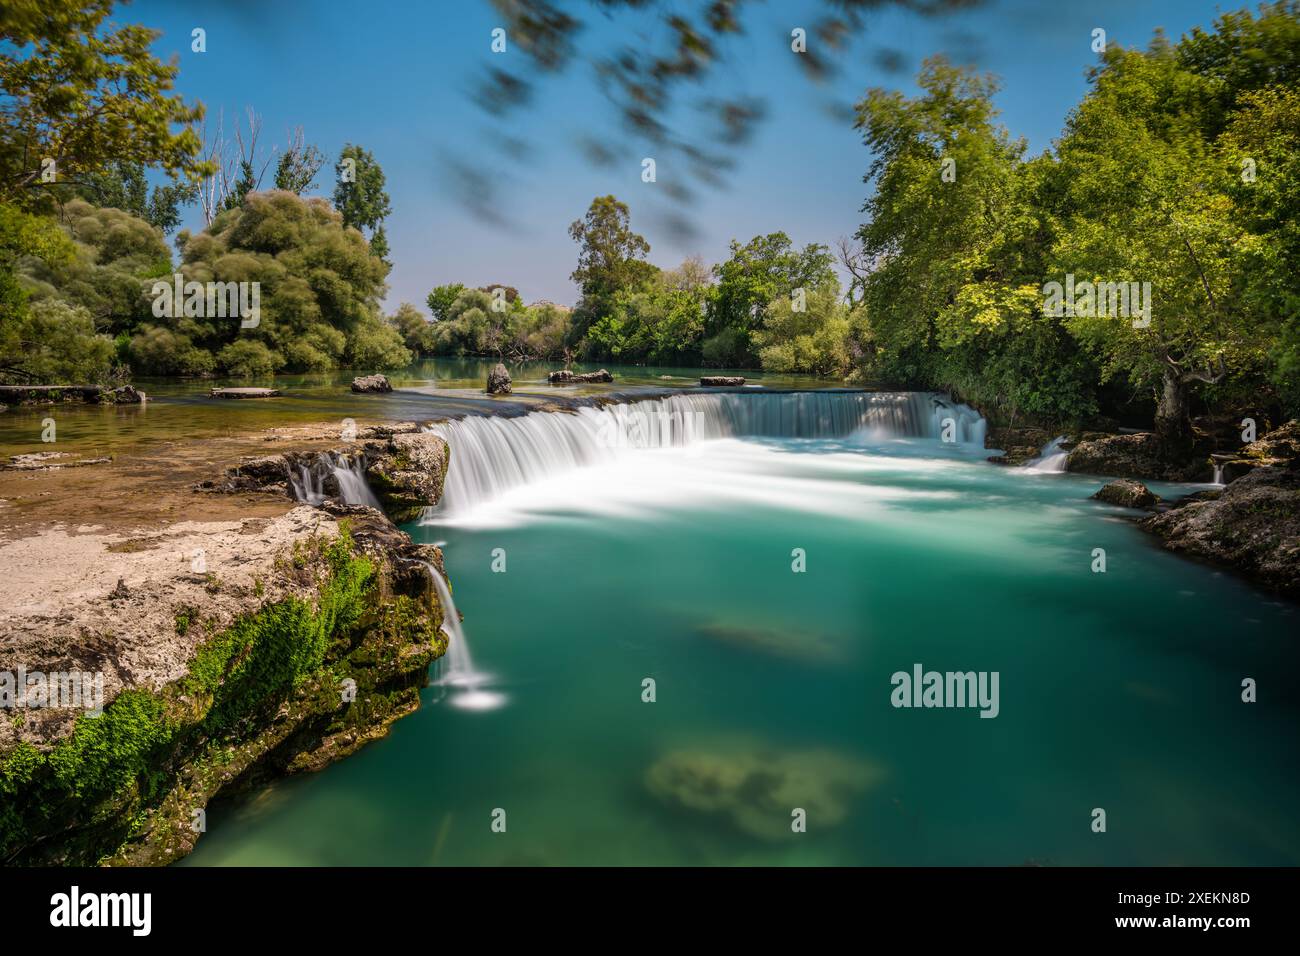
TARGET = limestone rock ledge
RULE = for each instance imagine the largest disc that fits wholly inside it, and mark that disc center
(1253, 525)
(231, 652)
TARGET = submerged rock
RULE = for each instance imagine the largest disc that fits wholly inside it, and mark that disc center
(757, 789)
(1127, 493)
(498, 380)
(1253, 525)
(566, 377)
(371, 383)
(715, 381)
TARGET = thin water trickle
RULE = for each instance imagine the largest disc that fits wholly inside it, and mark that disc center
(457, 666)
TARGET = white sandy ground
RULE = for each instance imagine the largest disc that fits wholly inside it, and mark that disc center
(58, 611)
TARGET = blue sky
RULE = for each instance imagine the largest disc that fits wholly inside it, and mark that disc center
(396, 75)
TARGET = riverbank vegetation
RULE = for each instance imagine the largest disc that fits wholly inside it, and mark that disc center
(1176, 176)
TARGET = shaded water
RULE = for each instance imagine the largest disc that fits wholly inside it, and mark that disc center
(1118, 690)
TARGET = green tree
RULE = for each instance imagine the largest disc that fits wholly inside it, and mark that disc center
(440, 300)
(1145, 202)
(82, 95)
(1261, 151)
(319, 285)
(611, 259)
(359, 195)
(115, 257)
(761, 271)
(958, 230)
(418, 333)
(808, 334)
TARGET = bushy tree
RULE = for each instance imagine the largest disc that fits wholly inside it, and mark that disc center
(417, 332)
(115, 258)
(808, 334)
(319, 286)
(760, 272)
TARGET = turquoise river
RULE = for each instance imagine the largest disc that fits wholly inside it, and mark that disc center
(768, 562)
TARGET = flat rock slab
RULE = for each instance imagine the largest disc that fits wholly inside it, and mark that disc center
(46, 460)
(717, 381)
(244, 393)
(567, 377)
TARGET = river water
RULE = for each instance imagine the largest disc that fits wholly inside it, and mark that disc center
(770, 569)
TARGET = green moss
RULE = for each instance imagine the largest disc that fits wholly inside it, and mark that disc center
(116, 766)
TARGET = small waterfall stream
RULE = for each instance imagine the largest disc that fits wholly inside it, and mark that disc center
(1051, 459)
(347, 470)
(457, 667)
(491, 455)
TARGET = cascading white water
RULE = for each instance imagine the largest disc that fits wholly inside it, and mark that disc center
(459, 672)
(1051, 459)
(1218, 474)
(491, 454)
(351, 476)
(350, 472)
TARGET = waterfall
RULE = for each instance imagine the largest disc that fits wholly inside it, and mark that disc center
(491, 454)
(459, 672)
(1218, 473)
(1050, 459)
(348, 472)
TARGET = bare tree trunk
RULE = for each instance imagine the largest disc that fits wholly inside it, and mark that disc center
(1173, 420)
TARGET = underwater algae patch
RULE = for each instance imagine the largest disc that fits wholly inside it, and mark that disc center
(758, 790)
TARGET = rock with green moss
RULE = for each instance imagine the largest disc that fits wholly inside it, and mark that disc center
(407, 473)
(305, 677)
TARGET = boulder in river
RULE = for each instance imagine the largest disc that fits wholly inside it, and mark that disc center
(407, 473)
(1127, 493)
(371, 383)
(566, 377)
(715, 381)
(498, 380)
(1132, 456)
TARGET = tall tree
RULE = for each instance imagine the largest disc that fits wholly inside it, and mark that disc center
(1145, 202)
(611, 259)
(360, 197)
